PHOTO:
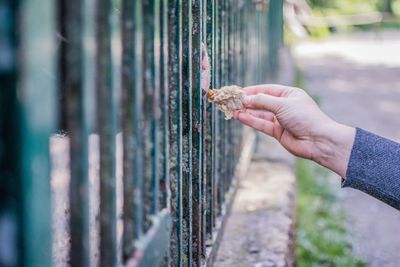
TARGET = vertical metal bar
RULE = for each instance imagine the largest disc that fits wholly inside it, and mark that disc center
(234, 80)
(164, 93)
(127, 98)
(187, 129)
(263, 42)
(221, 14)
(222, 82)
(224, 122)
(234, 67)
(216, 65)
(89, 62)
(11, 179)
(255, 32)
(240, 79)
(148, 86)
(221, 128)
(77, 130)
(197, 107)
(226, 82)
(242, 42)
(138, 116)
(206, 136)
(164, 126)
(246, 42)
(175, 125)
(61, 68)
(156, 108)
(229, 73)
(36, 95)
(106, 131)
(209, 127)
(204, 160)
(275, 24)
(150, 110)
(259, 38)
(25, 94)
(116, 46)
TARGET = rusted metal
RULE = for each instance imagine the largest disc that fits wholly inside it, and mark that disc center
(175, 124)
(187, 132)
(197, 125)
(141, 75)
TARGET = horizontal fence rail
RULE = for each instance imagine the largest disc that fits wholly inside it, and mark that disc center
(110, 154)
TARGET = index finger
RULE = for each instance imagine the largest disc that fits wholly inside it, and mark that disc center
(269, 89)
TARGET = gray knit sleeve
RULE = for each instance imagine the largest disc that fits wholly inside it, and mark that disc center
(374, 167)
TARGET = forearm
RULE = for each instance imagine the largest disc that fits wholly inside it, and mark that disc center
(365, 161)
(333, 147)
(374, 167)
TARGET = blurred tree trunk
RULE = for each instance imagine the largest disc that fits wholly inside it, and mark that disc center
(387, 6)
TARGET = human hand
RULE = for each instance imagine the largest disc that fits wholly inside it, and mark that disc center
(291, 116)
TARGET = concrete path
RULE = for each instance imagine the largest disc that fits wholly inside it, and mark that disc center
(259, 230)
(357, 81)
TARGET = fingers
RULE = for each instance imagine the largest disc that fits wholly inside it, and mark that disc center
(270, 89)
(262, 114)
(263, 102)
(256, 123)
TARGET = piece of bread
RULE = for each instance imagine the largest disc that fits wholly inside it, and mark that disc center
(228, 99)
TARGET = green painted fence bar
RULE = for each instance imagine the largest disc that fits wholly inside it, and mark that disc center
(27, 98)
(106, 130)
(208, 129)
(187, 131)
(197, 137)
(175, 125)
(129, 119)
(164, 94)
(275, 36)
(149, 165)
(72, 80)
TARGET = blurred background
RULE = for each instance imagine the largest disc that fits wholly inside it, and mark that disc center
(347, 57)
(110, 156)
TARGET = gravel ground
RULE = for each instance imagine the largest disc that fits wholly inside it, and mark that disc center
(356, 79)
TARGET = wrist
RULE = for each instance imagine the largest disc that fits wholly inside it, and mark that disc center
(334, 146)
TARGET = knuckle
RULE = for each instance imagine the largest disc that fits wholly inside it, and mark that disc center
(249, 100)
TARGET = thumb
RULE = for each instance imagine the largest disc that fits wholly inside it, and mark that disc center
(263, 101)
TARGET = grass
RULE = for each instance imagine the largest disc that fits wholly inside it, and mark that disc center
(321, 237)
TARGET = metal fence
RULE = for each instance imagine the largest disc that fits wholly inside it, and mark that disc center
(109, 153)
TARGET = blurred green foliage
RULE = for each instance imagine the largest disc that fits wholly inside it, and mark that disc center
(355, 6)
(321, 8)
(321, 238)
(318, 32)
